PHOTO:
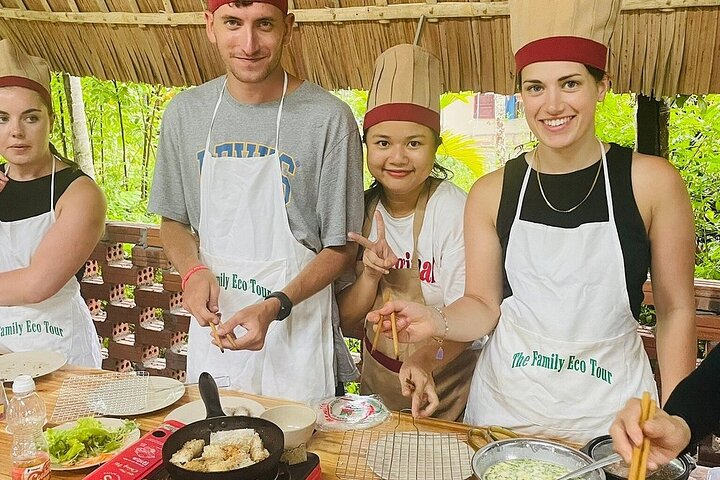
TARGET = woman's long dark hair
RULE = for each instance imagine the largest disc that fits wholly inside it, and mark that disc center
(62, 158)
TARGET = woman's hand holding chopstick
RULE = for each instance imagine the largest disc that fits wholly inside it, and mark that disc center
(668, 435)
(413, 322)
(393, 326)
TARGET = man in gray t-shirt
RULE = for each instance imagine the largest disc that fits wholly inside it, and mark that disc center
(320, 182)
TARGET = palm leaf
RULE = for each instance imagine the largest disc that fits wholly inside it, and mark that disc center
(463, 149)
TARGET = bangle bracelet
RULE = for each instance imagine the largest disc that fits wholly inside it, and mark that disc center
(440, 354)
(190, 273)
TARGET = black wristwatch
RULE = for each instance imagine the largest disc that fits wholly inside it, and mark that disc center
(286, 304)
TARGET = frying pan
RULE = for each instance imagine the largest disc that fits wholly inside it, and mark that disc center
(271, 435)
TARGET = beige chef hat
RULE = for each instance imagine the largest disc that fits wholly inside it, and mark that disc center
(406, 87)
(562, 30)
(18, 69)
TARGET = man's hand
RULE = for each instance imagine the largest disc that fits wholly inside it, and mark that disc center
(200, 297)
(256, 319)
(3, 180)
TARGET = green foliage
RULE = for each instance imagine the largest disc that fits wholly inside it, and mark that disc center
(123, 151)
(356, 100)
(460, 154)
(694, 148)
(615, 119)
(452, 97)
(694, 145)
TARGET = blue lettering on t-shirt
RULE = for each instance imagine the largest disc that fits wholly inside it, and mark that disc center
(249, 150)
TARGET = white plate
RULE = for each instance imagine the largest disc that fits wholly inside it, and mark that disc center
(194, 411)
(109, 423)
(36, 364)
(118, 400)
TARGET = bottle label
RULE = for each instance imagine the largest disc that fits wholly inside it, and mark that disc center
(38, 471)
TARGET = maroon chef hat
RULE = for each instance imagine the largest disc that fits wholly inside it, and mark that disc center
(561, 30)
(406, 87)
(281, 4)
(17, 68)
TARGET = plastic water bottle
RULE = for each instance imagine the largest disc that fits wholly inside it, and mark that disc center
(25, 419)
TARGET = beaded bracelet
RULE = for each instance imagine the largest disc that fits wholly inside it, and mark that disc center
(190, 273)
(440, 352)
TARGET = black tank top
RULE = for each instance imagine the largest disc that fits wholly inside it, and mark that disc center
(21, 200)
(565, 191)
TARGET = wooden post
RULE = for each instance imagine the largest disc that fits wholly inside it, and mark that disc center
(652, 126)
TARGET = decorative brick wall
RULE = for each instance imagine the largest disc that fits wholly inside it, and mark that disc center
(135, 301)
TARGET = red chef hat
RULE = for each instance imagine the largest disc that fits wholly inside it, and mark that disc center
(406, 87)
(562, 30)
(281, 4)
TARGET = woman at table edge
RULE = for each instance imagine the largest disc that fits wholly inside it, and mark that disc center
(554, 286)
(51, 218)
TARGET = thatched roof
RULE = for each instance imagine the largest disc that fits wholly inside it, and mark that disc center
(661, 47)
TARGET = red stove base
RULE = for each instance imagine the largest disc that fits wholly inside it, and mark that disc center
(142, 460)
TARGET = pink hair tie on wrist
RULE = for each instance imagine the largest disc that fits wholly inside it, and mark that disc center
(190, 273)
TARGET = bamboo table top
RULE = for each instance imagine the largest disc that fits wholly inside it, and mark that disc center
(326, 445)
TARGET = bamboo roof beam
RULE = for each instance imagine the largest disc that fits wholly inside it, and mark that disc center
(378, 12)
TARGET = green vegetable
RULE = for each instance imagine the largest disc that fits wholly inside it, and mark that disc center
(87, 439)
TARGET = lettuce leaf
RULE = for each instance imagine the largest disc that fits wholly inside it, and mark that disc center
(87, 439)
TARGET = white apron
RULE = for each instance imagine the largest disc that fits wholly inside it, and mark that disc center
(62, 323)
(246, 241)
(565, 356)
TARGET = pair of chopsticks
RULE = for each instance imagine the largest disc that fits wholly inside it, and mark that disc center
(638, 465)
(230, 336)
(393, 322)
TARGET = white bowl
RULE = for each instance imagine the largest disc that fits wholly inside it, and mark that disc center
(296, 421)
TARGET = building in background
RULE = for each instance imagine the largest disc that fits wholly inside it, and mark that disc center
(496, 122)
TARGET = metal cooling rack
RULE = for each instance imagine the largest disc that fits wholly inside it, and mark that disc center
(404, 453)
(96, 395)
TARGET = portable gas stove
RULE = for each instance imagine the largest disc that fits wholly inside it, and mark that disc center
(142, 460)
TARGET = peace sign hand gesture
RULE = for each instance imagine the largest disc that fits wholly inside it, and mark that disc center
(378, 257)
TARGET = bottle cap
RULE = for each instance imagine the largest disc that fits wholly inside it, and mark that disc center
(23, 384)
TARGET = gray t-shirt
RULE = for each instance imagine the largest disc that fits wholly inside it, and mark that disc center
(320, 157)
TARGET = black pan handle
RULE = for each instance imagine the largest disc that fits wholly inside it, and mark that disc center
(210, 396)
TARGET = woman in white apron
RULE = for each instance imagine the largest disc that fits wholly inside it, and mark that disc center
(558, 245)
(51, 218)
(412, 238)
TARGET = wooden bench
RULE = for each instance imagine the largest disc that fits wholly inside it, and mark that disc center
(707, 318)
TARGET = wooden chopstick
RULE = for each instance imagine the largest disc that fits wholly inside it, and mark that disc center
(386, 297)
(645, 452)
(217, 337)
(230, 336)
(638, 464)
(393, 323)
